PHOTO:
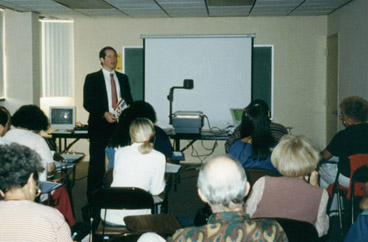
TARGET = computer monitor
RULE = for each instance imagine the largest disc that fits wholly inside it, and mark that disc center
(62, 117)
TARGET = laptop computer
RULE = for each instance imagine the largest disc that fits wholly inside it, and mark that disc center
(237, 115)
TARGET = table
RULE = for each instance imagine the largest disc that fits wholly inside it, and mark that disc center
(204, 135)
(62, 137)
(63, 176)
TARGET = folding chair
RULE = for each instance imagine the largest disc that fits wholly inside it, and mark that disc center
(359, 177)
(118, 198)
(356, 161)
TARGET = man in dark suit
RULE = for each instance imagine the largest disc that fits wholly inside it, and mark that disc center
(102, 90)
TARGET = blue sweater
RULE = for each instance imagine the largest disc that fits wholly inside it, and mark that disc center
(242, 152)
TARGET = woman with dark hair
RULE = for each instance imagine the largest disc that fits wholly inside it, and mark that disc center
(21, 218)
(277, 130)
(28, 121)
(253, 150)
(352, 140)
(121, 138)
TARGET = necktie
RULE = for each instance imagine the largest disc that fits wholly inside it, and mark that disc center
(114, 96)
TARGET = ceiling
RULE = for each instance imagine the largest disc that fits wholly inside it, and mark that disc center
(175, 8)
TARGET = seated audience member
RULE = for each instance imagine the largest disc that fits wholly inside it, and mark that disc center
(277, 130)
(291, 196)
(222, 183)
(137, 165)
(138, 109)
(358, 231)
(4, 121)
(21, 218)
(253, 150)
(28, 121)
(352, 140)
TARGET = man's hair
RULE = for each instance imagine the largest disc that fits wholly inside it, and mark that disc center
(142, 131)
(30, 117)
(355, 108)
(102, 53)
(295, 156)
(17, 163)
(223, 182)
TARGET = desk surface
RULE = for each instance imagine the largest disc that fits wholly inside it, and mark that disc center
(204, 135)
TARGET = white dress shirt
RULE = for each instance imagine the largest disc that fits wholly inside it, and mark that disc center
(108, 87)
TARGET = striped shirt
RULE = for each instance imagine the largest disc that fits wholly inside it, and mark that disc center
(23, 220)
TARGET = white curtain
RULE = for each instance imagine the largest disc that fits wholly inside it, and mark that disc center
(57, 58)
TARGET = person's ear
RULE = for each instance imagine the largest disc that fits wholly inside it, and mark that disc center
(269, 114)
(201, 196)
(247, 190)
(30, 180)
(2, 130)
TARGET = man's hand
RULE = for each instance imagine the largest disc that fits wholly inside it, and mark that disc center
(110, 117)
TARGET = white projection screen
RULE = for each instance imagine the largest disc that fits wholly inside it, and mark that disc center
(220, 66)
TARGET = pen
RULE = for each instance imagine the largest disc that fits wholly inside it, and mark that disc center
(74, 235)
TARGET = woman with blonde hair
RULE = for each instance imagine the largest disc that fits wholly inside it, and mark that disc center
(296, 194)
(137, 165)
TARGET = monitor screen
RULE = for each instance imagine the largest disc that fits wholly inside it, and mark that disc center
(237, 114)
(62, 117)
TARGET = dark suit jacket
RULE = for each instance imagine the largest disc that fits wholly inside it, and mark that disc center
(96, 103)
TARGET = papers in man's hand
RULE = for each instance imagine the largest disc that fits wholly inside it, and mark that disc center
(47, 187)
(119, 107)
(172, 168)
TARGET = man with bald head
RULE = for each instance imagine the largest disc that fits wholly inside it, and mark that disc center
(222, 183)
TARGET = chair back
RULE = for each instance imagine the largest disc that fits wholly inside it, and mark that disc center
(357, 161)
(121, 198)
(358, 179)
(298, 231)
(255, 174)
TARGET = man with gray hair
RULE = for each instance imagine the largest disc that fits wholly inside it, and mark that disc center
(222, 183)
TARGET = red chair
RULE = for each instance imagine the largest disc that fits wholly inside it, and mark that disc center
(356, 161)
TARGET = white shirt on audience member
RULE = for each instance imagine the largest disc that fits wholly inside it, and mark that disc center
(133, 169)
(31, 140)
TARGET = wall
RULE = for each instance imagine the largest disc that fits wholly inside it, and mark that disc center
(22, 58)
(351, 25)
(299, 59)
(299, 49)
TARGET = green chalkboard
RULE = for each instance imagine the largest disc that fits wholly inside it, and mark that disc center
(261, 72)
(133, 67)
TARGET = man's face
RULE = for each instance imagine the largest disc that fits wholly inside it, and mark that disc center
(109, 62)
